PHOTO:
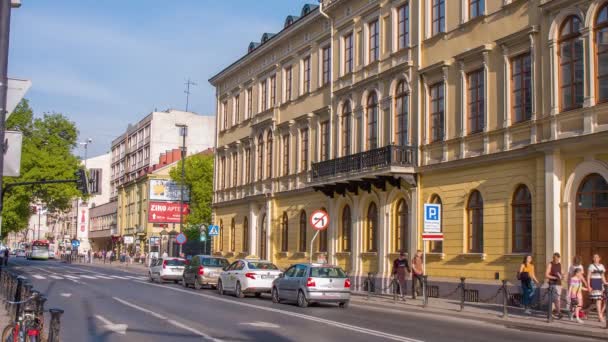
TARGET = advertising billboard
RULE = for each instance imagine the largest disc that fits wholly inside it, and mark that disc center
(166, 190)
(165, 212)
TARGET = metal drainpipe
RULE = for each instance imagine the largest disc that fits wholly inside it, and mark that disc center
(331, 79)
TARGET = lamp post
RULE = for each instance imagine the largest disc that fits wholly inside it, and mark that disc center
(86, 149)
(183, 131)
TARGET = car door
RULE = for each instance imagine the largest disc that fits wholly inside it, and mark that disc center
(299, 278)
(191, 269)
(228, 275)
(284, 283)
(237, 274)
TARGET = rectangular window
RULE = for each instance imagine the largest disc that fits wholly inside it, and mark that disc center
(286, 155)
(326, 65)
(348, 53)
(288, 83)
(346, 136)
(324, 140)
(95, 181)
(222, 172)
(273, 91)
(437, 112)
(260, 165)
(304, 150)
(264, 92)
(225, 115)
(404, 25)
(476, 8)
(306, 77)
(237, 109)
(374, 41)
(438, 13)
(476, 101)
(235, 170)
(247, 166)
(249, 103)
(521, 88)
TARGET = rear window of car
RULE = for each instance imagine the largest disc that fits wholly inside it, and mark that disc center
(214, 262)
(175, 262)
(254, 265)
(327, 272)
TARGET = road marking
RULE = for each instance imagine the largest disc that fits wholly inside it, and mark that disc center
(117, 328)
(119, 277)
(170, 321)
(38, 276)
(345, 326)
(67, 295)
(87, 276)
(261, 325)
(56, 277)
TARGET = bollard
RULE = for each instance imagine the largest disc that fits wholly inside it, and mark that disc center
(550, 304)
(425, 293)
(462, 279)
(505, 299)
(55, 324)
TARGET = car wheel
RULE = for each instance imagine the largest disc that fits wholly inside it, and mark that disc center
(220, 288)
(238, 292)
(275, 296)
(197, 285)
(258, 294)
(302, 301)
(150, 279)
(175, 281)
(184, 284)
(343, 305)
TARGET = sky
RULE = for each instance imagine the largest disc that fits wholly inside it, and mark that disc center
(105, 64)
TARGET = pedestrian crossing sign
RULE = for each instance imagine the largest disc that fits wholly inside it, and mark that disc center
(214, 230)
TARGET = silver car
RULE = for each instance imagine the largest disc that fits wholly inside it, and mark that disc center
(203, 270)
(312, 283)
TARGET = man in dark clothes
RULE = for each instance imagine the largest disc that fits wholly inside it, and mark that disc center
(401, 269)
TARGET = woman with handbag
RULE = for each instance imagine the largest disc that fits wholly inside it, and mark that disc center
(528, 280)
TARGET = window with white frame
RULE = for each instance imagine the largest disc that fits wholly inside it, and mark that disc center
(288, 83)
(264, 94)
(438, 16)
(326, 65)
(286, 151)
(374, 41)
(273, 90)
(403, 25)
(249, 111)
(476, 100)
(225, 115)
(306, 74)
(476, 8)
(348, 54)
(436, 113)
(237, 109)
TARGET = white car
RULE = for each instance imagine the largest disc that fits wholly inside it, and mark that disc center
(248, 276)
(20, 253)
(164, 269)
(51, 254)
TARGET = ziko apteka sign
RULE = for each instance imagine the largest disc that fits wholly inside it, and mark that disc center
(167, 190)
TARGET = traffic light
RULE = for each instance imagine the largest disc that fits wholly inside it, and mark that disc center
(82, 183)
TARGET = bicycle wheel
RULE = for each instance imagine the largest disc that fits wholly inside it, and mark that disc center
(8, 334)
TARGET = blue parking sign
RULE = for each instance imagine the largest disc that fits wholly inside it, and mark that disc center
(432, 218)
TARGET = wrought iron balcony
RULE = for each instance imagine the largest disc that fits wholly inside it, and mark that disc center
(368, 161)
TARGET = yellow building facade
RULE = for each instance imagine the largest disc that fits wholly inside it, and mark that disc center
(369, 109)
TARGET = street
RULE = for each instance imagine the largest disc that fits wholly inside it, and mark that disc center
(112, 304)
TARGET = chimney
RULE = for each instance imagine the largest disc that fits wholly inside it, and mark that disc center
(163, 159)
(177, 154)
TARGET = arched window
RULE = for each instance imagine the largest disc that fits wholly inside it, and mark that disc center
(347, 224)
(346, 132)
(601, 50)
(372, 121)
(323, 238)
(593, 193)
(437, 246)
(522, 220)
(260, 157)
(302, 242)
(372, 228)
(263, 235)
(245, 234)
(475, 223)
(571, 67)
(402, 104)
(232, 235)
(400, 233)
(221, 235)
(269, 155)
(284, 233)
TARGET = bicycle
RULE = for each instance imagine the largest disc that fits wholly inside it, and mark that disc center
(27, 326)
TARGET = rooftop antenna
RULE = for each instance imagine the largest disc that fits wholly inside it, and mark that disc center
(187, 91)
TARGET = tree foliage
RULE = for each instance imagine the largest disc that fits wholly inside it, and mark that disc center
(46, 155)
(199, 179)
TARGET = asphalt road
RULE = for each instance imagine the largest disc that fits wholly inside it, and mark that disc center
(104, 304)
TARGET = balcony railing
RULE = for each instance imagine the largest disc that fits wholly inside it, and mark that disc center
(379, 158)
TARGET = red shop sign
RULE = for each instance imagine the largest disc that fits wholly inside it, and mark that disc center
(165, 212)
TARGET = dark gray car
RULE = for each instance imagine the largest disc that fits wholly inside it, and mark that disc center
(203, 270)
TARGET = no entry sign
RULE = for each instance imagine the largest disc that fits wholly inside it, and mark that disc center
(319, 220)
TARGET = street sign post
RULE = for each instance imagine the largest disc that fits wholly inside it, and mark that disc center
(432, 228)
(181, 239)
(319, 220)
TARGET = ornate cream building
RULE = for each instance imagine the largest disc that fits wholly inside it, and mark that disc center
(369, 109)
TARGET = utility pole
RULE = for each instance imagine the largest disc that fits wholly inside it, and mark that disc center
(183, 132)
(187, 91)
(86, 150)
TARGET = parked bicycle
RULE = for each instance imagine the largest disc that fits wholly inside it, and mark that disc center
(27, 325)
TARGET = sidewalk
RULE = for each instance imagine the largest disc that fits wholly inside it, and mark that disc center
(491, 313)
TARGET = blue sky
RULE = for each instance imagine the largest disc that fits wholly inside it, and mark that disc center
(105, 64)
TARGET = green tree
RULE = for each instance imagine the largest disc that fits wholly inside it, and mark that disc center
(46, 155)
(199, 179)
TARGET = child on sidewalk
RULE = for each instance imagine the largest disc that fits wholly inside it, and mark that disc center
(575, 288)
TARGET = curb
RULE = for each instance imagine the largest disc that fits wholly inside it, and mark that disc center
(507, 323)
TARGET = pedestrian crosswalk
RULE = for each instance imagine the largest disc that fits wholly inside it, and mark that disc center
(46, 276)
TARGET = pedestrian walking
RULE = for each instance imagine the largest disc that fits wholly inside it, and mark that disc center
(103, 255)
(527, 277)
(401, 269)
(553, 274)
(90, 256)
(417, 273)
(575, 288)
(110, 256)
(6, 254)
(165, 255)
(596, 279)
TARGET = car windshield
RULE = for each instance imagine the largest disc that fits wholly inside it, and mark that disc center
(255, 265)
(215, 262)
(327, 272)
(175, 262)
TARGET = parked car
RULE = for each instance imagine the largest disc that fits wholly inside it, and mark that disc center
(312, 283)
(203, 270)
(248, 276)
(163, 269)
(12, 252)
(20, 253)
(51, 254)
